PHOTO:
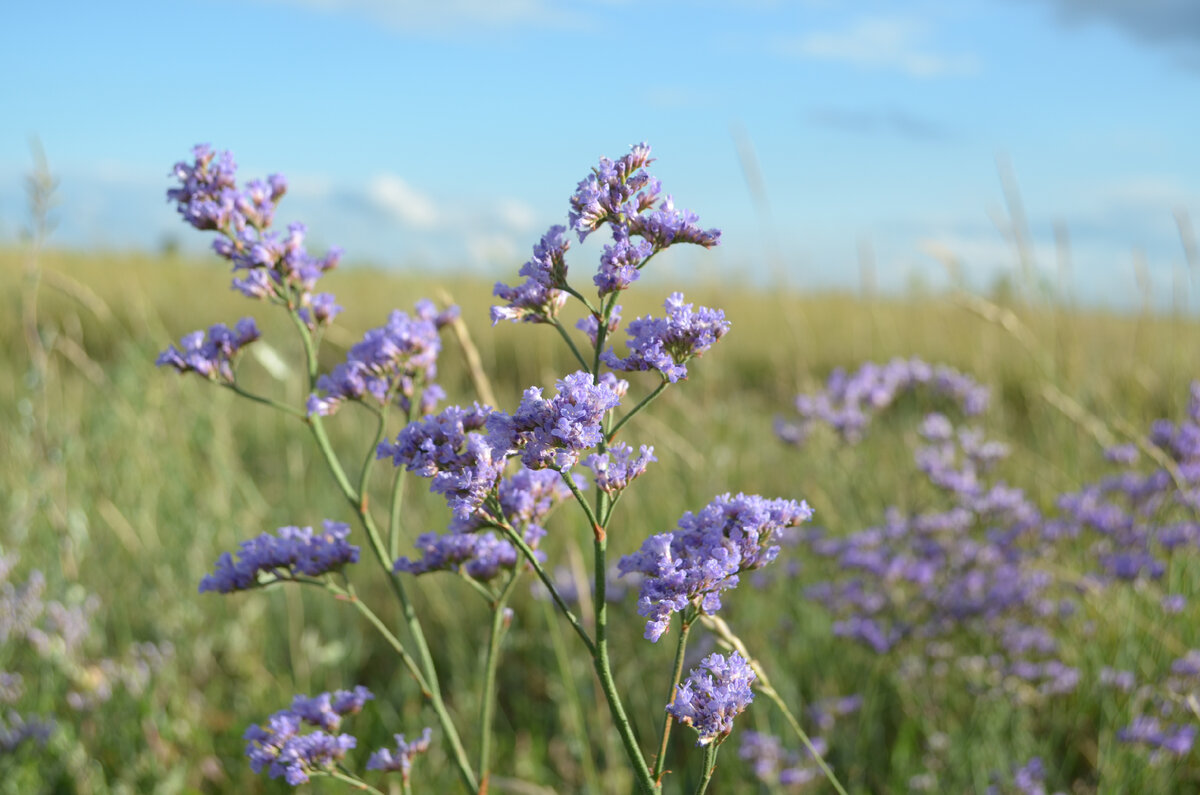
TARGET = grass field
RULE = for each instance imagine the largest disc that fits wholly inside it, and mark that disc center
(126, 482)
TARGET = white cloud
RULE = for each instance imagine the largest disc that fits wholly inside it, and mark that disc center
(515, 215)
(490, 250)
(400, 200)
(452, 15)
(881, 43)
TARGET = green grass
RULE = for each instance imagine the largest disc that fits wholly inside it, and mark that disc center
(126, 482)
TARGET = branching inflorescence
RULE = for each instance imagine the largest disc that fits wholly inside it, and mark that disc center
(500, 473)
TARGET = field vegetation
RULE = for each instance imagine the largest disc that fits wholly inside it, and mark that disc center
(122, 483)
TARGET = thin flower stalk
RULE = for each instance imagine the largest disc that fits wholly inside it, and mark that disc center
(488, 699)
(676, 675)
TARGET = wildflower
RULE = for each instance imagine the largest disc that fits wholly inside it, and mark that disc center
(539, 298)
(590, 324)
(848, 400)
(667, 344)
(704, 555)
(464, 467)
(389, 361)
(713, 695)
(211, 355)
(552, 433)
(615, 468)
(294, 551)
(402, 758)
(271, 266)
(286, 753)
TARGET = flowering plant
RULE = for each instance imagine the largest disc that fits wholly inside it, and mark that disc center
(500, 473)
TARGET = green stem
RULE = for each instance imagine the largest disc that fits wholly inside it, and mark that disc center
(603, 668)
(710, 764)
(348, 595)
(266, 401)
(583, 745)
(512, 535)
(597, 528)
(354, 781)
(569, 290)
(571, 344)
(489, 676)
(646, 401)
(364, 478)
(763, 685)
(661, 761)
(394, 514)
(381, 555)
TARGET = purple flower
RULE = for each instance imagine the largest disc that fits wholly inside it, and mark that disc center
(667, 225)
(464, 466)
(774, 765)
(539, 298)
(590, 324)
(552, 433)
(620, 262)
(712, 696)
(1148, 731)
(327, 709)
(850, 399)
(705, 554)
(392, 360)
(211, 355)
(611, 192)
(294, 551)
(667, 344)
(286, 753)
(615, 468)
(402, 758)
(271, 266)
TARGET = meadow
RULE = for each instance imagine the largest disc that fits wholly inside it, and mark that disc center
(122, 483)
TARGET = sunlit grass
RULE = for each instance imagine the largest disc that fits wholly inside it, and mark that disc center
(130, 481)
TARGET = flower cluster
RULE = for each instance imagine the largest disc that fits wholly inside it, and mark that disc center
(850, 399)
(713, 695)
(552, 433)
(542, 295)
(211, 355)
(524, 499)
(777, 766)
(443, 447)
(402, 758)
(667, 344)
(624, 196)
(704, 555)
(390, 362)
(617, 467)
(47, 642)
(273, 266)
(294, 551)
(285, 752)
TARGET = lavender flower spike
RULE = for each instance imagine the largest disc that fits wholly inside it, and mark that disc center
(296, 550)
(285, 752)
(713, 695)
(552, 433)
(211, 355)
(401, 760)
(705, 554)
(540, 296)
(667, 344)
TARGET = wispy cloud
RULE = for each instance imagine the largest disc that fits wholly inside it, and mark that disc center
(889, 43)
(880, 121)
(448, 15)
(401, 202)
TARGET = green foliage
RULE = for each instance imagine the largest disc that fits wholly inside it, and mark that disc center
(128, 482)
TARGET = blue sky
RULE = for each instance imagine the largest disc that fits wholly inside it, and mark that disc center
(449, 134)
